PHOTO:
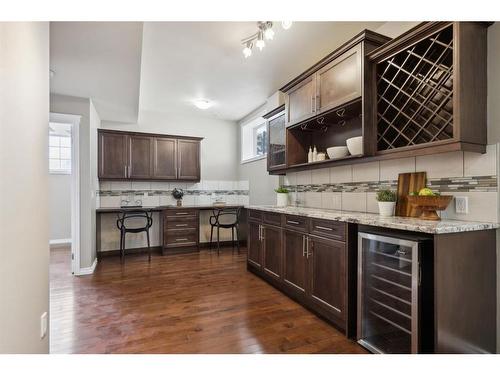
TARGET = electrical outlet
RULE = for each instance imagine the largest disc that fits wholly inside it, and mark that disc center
(43, 325)
(462, 205)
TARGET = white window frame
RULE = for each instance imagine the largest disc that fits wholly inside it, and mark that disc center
(251, 125)
(60, 170)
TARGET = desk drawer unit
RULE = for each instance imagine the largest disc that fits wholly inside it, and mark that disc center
(180, 229)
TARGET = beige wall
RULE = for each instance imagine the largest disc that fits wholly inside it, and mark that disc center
(24, 236)
(59, 206)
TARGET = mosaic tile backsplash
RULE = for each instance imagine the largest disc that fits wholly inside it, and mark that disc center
(456, 184)
(112, 194)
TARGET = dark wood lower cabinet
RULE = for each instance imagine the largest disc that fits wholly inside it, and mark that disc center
(311, 269)
(254, 246)
(272, 250)
(327, 274)
(294, 261)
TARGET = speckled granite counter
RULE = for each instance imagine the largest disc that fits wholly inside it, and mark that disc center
(395, 222)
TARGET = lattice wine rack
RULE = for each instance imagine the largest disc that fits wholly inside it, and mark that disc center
(415, 93)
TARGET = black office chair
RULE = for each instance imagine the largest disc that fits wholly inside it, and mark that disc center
(227, 218)
(124, 227)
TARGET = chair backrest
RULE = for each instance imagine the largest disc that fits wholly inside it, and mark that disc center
(225, 216)
(135, 219)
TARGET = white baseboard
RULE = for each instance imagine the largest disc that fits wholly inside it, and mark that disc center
(87, 270)
(64, 242)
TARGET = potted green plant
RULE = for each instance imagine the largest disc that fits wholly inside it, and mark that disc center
(386, 202)
(282, 196)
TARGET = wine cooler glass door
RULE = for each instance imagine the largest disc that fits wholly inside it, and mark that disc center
(387, 294)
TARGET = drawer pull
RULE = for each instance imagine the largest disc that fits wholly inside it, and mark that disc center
(323, 228)
(292, 222)
(181, 239)
(182, 213)
(181, 225)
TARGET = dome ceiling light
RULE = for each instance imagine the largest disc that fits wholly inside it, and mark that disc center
(265, 32)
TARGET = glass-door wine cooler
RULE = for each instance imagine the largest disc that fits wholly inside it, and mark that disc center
(388, 293)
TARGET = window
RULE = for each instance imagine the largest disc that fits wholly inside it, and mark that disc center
(59, 148)
(254, 140)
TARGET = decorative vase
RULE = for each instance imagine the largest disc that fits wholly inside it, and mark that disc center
(386, 208)
(282, 199)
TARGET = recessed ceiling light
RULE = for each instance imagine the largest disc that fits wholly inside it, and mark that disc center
(202, 103)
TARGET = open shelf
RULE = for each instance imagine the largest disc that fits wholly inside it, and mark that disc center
(329, 129)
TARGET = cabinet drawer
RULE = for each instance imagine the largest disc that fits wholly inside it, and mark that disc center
(328, 228)
(254, 214)
(181, 214)
(272, 218)
(295, 222)
(177, 239)
(182, 223)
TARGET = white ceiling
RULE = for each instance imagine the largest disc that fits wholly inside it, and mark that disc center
(98, 60)
(182, 61)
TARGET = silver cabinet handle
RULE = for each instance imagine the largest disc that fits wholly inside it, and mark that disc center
(323, 228)
(263, 231)
(181, 239)
(181, 225)
(303, 246)
(292, 222)
(260, 237)
(126, 171)
(182, 213)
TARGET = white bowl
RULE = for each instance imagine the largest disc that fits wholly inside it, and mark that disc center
(355, 145)
(337, 152)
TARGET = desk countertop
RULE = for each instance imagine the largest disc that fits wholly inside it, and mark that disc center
(162, 208)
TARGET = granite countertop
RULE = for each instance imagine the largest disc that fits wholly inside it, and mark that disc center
(394, 222)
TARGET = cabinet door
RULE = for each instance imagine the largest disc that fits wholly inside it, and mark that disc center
(327, 274)
(300, 101)
(188, 160)
(140, 157)
(165, 158)
(272, 251)
(112, 155)
(295, 262)
(254, 253)
(339, 81)
(277, 142)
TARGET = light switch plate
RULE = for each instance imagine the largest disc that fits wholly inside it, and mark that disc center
(43, 325)
(462, 205)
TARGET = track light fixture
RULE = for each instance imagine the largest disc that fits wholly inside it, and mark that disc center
(265, 32)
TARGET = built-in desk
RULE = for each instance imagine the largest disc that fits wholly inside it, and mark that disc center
(175, 225)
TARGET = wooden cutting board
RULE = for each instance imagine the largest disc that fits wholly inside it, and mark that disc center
(408, 182)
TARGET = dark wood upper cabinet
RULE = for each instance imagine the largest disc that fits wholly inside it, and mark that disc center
(139, 153)
(276, 146)
(165, 158)
(112, 155)
(327, 270)
(272, 251)
(300, 101)
(324, 106)
(429, 91)
(188, 160)
(294, 261)
(339, 81)
(143, 156)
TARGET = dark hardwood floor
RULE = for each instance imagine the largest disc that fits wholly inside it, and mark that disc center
(195, 303)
